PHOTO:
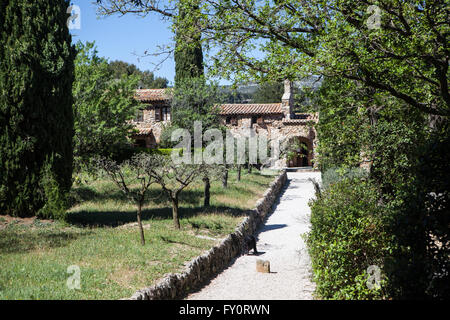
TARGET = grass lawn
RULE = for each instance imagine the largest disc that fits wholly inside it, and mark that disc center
(102, 239)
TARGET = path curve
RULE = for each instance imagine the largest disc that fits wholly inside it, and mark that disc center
(280, 242)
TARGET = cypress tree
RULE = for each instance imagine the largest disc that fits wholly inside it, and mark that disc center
(36, 118)
(188, 51)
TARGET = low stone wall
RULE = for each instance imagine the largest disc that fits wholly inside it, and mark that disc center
(204, 267)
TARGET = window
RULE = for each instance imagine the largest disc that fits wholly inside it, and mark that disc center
(260, 120)
(166, 114)
(162, 114)
(228, 120)
(234, 121)
(254, 119)
(139, 116)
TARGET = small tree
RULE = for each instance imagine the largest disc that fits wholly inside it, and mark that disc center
(210, 171)
(225, 176)
(207, 193)
(133, 178)
(174, 178)
(195, 100)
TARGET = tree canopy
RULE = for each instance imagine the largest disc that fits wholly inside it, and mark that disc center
(147, 79)
(398, 47)
(103, 106)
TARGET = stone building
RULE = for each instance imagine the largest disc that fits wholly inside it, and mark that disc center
(275, 120)
(152, 117)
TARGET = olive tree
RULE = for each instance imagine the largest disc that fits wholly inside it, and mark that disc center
(174, 178)
(133, 178)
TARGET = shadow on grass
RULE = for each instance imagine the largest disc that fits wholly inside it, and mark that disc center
(85, 193)
(15, 241)
(167, 240)
(118, 218)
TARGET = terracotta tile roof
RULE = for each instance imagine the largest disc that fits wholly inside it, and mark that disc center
(152, 95)
(260, 108)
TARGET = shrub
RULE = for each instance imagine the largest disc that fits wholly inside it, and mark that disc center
(125, 153)
(419, 266)
(56, 199)
(346, 238)
(334, 175)
(166, 136)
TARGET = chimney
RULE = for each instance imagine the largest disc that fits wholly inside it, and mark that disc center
(287, 100)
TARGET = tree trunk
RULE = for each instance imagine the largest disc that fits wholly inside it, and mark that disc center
(225, 178)
(249, 168)
(141, 229)
(239, 173)
(207, 191)
(176, 220)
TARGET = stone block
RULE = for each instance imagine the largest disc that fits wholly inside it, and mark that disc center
(263, 266)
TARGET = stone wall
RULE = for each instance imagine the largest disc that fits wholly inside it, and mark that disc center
(204, 267)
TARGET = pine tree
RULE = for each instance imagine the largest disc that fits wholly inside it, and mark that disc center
(36, 118)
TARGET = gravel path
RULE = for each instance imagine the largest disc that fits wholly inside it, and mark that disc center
(279, 242)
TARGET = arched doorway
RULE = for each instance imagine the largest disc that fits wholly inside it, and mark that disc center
(300, 152)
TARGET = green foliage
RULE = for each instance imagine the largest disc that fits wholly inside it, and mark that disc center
(129, 153)
(408, 166)
(147, 79)
(36, 120)
(228, 94)
(347, 236)
(103, 107)
(167, 151)
(195, 100)
(343, 123)
(269, 92)
(188, 49)
(334, 175)
(166, 136)
(419, 224)
(404, 56)
(56, 201)
(382, 82)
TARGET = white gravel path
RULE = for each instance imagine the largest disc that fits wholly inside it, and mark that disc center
(279, 241)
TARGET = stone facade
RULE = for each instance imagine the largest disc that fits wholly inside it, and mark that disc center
(154, 115)
(204, 267)
(150, 124)
(276, 121)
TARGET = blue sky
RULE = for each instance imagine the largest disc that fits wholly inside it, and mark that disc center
(121, 38)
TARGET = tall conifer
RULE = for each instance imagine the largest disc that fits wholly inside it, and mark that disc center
(36, 118)
(188, 51)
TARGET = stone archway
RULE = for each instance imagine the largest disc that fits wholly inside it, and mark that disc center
(302, 153)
